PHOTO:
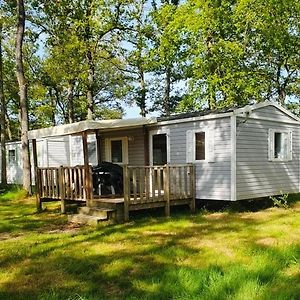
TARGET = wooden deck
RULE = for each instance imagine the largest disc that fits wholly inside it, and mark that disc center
(144, 187)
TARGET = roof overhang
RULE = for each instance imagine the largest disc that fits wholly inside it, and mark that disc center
(79, 127)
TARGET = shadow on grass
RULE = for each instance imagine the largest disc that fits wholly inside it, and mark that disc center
(157, 271)
(152, 257)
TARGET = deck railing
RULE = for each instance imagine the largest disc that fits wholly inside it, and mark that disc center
(144, 186)
(64, 183)
(150, 184)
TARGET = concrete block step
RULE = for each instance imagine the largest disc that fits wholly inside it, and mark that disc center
(103, 213)
(85, 219)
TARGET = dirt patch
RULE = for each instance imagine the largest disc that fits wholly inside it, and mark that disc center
(268, 241)
(8, 236)
(66, 228)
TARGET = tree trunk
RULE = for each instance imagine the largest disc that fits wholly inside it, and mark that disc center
(70, 97)
(23, 96)
(280, 87)
(90, 89)
(8, 127)
(2, 117)
(90, 60)
(142, 101)
(53, 105)
(167, 90)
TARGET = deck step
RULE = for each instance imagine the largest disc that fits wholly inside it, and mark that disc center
(103, 213)
(85, 219)
(108, 204)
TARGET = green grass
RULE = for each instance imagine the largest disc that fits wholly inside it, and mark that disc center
(223, 255)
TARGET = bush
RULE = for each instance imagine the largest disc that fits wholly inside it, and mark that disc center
(280, 201)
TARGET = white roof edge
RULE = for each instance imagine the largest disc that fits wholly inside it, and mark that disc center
(78, 127)
(198, 118)
(248, 108)
(70, 129)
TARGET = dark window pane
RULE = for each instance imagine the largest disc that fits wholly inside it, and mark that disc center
(278, 145)
(200, 146)
(159, 142)
(11, 156)
(116, 151)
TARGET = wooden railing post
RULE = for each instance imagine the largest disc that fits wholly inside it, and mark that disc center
(62, 187)
(193, 188)
(38, 189)
(167, 189)
(91, 191)
(126, 183)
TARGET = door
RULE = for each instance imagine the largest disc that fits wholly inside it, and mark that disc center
(159, 147)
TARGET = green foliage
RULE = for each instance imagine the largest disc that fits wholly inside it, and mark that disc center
(164, 56)
(281, 201)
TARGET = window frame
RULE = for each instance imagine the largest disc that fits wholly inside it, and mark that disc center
(165, 131)
(191, 146)
(9, 157)
(108, 148)
(288, 156)
(195, 146)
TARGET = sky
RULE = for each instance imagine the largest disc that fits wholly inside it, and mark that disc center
(132, 112)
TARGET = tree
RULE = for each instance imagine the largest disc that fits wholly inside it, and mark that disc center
(80, 55)
(272, 44)
(2, 115)
(23, 95)
(165, 57)
(136, 53)
(239, 51)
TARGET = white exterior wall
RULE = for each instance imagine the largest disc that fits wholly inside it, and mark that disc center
(213, 179)
(257, 176)
(52, 152)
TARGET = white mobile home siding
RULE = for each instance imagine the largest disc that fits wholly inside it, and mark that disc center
(256, 175)
(213, 179)
(52, 152)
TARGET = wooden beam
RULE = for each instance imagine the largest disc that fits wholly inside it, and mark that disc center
(146, 145)
(99, 149)
(87, 183)
(126, 184)
(36, 177)
(167, 189)
(62, 189)
(193, 188)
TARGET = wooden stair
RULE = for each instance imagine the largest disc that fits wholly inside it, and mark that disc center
(99, 210)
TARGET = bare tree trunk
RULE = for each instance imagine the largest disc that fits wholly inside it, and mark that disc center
(70, 97)
(23, 96)
(90, 89)
(8, 127)
(53, 105)
(280, 88)
(167, 90)
(2, 117)
(142, 100)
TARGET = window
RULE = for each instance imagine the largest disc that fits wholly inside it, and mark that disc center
(200, 146)
(117, 150)
(92, 152)
(12, 156)
(159, 144)
(280, 145)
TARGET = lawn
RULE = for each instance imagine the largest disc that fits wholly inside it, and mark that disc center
(221, 255)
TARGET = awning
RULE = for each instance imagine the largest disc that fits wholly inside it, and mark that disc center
(78, 127)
